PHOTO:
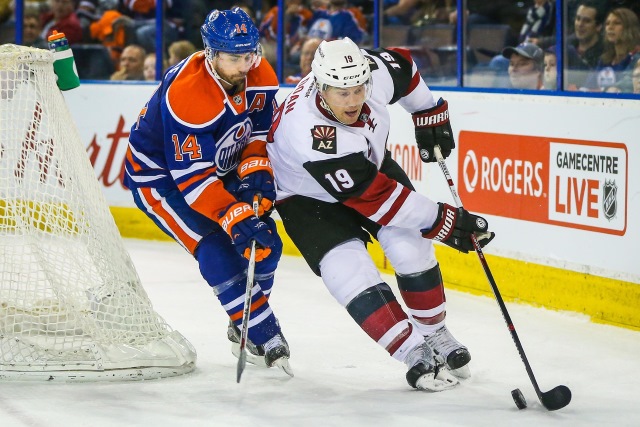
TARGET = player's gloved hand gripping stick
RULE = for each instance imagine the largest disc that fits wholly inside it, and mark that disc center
(556, 398)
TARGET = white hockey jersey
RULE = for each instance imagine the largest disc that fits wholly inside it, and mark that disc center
(316, 156)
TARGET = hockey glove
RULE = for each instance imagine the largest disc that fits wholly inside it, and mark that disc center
(242, 225)
(433, 128)
(454, 226)
(256, 177)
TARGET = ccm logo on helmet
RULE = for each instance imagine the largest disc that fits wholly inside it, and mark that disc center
(435, 120)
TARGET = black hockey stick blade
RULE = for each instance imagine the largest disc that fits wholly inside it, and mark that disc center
(556, 398)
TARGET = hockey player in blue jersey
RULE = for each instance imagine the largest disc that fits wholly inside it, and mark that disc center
(195, 161)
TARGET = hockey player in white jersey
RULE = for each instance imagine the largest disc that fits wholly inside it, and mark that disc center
(337, 185)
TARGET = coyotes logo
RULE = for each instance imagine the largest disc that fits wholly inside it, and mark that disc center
(324, 139)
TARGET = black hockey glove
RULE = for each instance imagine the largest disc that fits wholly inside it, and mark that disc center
(433, 128)
(454, 226)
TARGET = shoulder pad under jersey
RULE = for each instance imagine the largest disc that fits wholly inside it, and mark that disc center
(263, 75)
(193, 98)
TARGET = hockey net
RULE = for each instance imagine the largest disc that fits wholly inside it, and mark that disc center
(71, 303)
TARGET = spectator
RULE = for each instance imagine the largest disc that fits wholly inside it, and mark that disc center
(62, 18)
(111, 31)
(417, 12)
(143, 13)
(149, 67)
(7, 22)
(539, 22)
(306, 56)
(32, 29)
(587, 36)
(339, 23)
(131, 64)
(6, 10)
(584, 46)
(635, 78)
(296, 17)
(550, 75)
(526, 63)
(88, 12)
(180, 50)
(621, 51)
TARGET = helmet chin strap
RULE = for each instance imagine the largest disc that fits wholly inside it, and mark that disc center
(210, 55)
(217, 76)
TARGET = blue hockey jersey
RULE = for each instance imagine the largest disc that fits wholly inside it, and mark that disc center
(192, 133)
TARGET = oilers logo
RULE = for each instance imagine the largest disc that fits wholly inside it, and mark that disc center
(230, 146)
(609, 199)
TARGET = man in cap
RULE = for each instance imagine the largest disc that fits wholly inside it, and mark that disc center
(526, 64)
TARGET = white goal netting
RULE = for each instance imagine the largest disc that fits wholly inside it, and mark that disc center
(71, 303)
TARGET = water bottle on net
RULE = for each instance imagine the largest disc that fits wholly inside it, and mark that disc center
(63, 64)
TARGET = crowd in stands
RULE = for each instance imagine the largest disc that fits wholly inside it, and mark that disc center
(123, 31)
(601, 53)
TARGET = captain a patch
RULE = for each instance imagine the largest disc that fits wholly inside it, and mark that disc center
(324, 139)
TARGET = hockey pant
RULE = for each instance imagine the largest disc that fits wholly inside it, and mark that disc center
(220, 264)
(354, 281)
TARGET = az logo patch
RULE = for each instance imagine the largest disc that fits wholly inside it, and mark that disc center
(324, 139)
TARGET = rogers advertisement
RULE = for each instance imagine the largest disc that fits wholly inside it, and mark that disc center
(563, 182)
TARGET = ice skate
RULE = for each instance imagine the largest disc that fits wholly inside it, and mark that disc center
(274, 352)
(423, 372)
(455, 355)
(255, 354)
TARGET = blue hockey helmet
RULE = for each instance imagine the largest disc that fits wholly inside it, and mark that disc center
(230, 31)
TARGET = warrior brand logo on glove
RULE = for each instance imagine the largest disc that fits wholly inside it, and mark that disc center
(454, 226)
(433, 128)
(434, 120)
(449, 217)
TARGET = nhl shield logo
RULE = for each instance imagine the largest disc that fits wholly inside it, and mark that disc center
(324, 139)
(609, 199)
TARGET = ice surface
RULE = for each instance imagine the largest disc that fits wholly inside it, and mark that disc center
(342, 378)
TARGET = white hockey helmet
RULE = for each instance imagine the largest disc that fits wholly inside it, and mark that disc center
(340, 63)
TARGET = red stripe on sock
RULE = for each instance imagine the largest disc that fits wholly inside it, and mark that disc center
(383, 319)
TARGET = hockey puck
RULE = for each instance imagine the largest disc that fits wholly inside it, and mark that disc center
(518, 397)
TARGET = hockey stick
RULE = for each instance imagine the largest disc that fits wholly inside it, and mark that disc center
(556, 398)
(246, 312)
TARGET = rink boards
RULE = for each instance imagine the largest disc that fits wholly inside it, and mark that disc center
(552, 175)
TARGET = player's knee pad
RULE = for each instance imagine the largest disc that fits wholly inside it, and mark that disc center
(423, 294)
(380, 315)
(347, 270)
(406, 249)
